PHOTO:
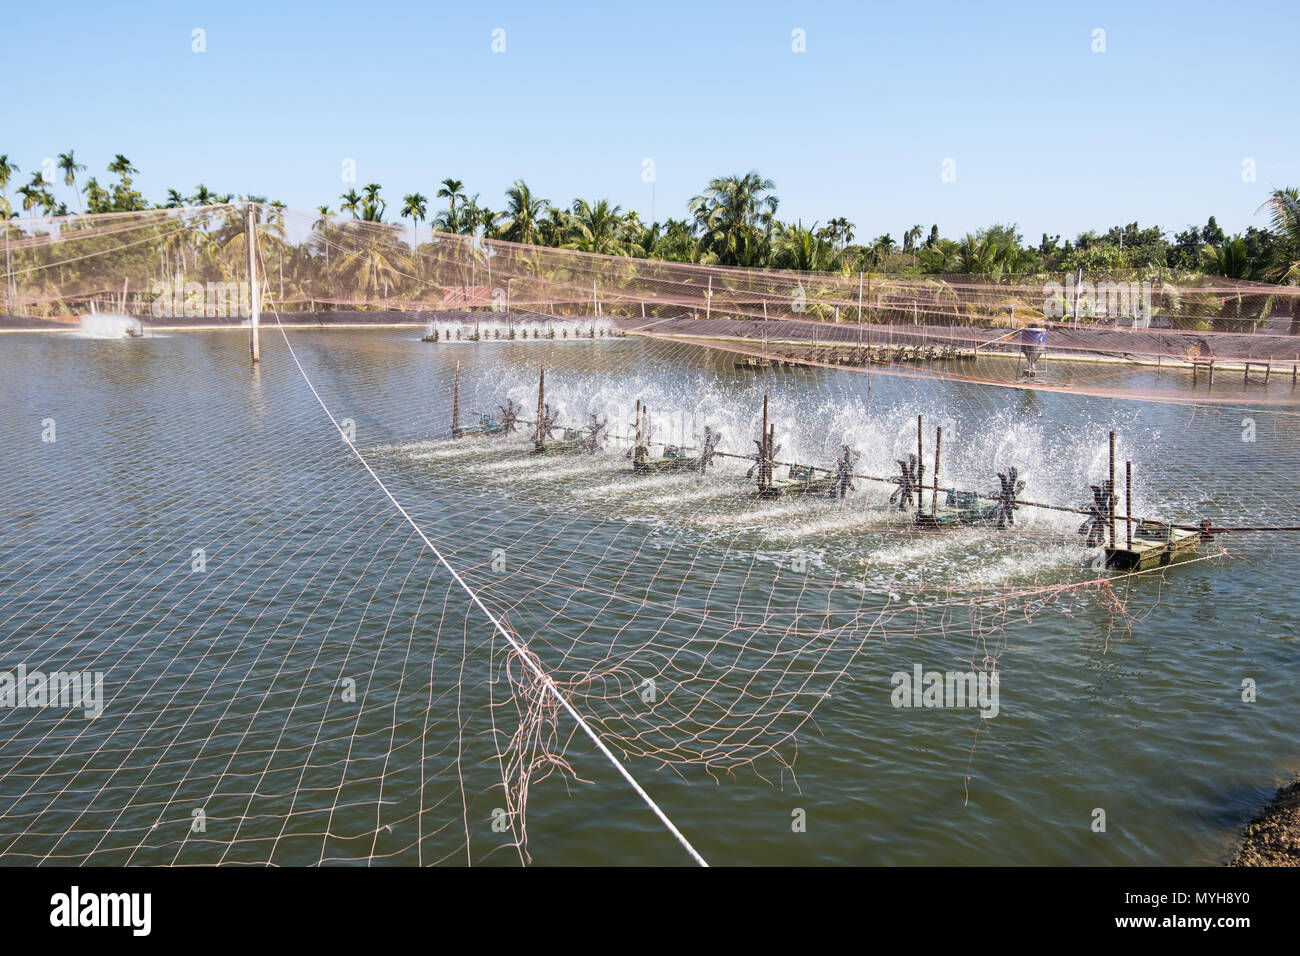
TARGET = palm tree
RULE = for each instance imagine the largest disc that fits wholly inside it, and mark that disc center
(452, 190)
(372, 207)
(415, 207)
(524, 214)
(807, 250)
(36, 193)
(320, 230)
(909, 240)
(202, 196)
(474, 216)
(122, 167)
(351, 202)
(598, 227)
(1284, 210)
(7, 170)
(977, 254)
(678, 242)
(734, 216)
(881, 247)
(839, 231)
(68, 163)
(555, 228)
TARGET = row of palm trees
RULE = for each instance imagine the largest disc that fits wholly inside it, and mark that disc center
(732, 222)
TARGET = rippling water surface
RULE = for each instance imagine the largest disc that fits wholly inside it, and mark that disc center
(291, 677)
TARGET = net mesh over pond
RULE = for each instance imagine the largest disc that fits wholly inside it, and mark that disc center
(296, 671)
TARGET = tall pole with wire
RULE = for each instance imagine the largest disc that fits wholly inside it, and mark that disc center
(254, 296)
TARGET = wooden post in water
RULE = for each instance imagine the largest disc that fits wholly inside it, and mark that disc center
(254, 298)
(455, 404)
(770, 468)
(539, 441)
(1111, 506)
(1211, 373)
(920, 464)
(764, 446)
(859, 309)
(934, 495)
(1128, 501)
(643, 433)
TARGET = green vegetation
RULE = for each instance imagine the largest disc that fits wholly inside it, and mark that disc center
(733, 223)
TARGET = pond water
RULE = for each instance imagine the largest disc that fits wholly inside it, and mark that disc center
(290, 675)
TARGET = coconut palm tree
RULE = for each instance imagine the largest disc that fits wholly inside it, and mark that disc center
(322, 229)
(734, 217)
(524, 213)
(1284, 210)
(598, 227)
(554, 229)
(976, 254)
(374, 264)
(807, 250)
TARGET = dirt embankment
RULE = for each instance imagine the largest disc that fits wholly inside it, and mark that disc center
(1273, 837)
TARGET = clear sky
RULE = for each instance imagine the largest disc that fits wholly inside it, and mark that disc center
(1043, 131)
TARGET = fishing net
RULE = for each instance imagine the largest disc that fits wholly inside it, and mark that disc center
(617, 526)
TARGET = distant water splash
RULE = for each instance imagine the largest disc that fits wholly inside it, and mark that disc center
(109, 326)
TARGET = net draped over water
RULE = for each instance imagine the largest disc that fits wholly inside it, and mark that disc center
(297, 670)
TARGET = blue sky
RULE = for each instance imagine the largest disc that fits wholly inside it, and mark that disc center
(1043, 131)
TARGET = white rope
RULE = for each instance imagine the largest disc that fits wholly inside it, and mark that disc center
(545, 678)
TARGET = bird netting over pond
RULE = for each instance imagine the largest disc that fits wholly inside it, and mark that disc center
(390, 600)
(1106, 332)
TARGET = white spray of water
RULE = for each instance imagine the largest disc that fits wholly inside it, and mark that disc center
(108, 326)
